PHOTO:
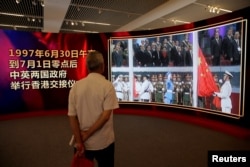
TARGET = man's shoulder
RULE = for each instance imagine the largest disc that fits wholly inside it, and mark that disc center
(101, 78)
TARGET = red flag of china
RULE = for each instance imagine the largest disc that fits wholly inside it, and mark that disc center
(206, 83)
(134, 88)
(216, 102)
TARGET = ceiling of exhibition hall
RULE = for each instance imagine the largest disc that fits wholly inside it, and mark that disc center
(95, 16)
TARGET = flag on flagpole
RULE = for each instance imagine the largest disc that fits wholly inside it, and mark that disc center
(206, 83)
(217, 102)
(134, 88)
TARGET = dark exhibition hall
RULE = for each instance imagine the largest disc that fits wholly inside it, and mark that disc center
(124, 83)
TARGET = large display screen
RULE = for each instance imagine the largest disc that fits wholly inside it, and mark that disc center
(202, 69)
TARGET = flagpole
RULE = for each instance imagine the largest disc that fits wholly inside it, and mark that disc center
(130, 69)
(195, 67)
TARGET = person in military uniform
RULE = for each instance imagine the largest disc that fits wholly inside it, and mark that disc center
(225, 93)
(119, 87)
(112, 78)
(168, 96)
(159, 89)
(153, 81)
(146, 89)
(179, 89)
(174, 91)
(190, 83)
(187, 91)
(126, 89)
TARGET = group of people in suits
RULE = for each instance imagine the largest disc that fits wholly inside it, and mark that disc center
(227, 47)
(119, 54)
(163, 51)
(170, 51)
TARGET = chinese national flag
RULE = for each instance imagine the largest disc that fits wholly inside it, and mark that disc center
(134, 88)
(206, 83)
(216, 102)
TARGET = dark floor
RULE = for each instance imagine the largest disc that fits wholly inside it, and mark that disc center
(140, 142)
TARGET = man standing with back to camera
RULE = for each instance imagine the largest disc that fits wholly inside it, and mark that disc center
(91, 103)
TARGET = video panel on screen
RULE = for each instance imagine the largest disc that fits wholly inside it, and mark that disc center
(201, 69)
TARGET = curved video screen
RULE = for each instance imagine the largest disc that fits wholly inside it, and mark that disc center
(202, 69)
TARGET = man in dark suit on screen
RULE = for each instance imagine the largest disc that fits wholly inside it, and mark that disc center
(227, 45)
(216, 49)
(236, 48)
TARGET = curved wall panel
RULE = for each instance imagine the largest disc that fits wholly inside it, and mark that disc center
(38, 69)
